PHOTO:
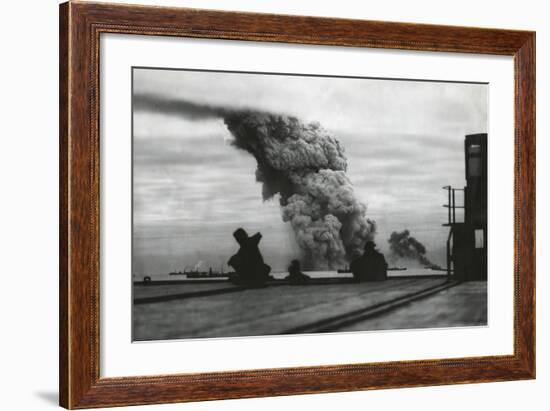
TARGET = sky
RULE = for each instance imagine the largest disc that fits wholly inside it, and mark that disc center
(404, 141)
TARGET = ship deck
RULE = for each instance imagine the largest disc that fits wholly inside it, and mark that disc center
(216, 308)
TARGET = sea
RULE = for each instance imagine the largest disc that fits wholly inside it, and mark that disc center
(409, 272)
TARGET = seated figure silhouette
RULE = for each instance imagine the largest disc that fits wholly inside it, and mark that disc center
(295, 274)
(371, 266)
(248, 263)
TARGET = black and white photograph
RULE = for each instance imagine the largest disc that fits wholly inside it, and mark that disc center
(279, 204)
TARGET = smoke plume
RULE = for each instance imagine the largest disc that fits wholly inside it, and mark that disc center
(403, 245)
(306, 166)
(198, 266)
(181, 108)
(302, 163)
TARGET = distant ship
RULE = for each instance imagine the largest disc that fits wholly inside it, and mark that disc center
(347, 270)
(435, 267)
(202, 274)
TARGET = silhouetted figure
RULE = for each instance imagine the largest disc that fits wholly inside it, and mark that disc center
(295, 274)
(248, 263)
(371, 266)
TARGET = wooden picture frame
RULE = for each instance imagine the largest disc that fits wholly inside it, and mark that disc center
(80, 27)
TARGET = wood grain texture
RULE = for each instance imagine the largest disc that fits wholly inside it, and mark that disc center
(63, 205)
(525, 203)
(80, 27)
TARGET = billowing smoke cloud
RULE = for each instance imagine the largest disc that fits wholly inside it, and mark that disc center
(302, 163)
(403, 245)
(306, 166)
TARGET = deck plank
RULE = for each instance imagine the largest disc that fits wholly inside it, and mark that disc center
(277, 308)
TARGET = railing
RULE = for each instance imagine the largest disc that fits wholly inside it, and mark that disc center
(451, 205)
(451, 221)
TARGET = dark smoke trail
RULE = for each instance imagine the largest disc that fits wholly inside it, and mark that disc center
(307, 167)
(179, 107)
(302, 163)
(403, 245)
